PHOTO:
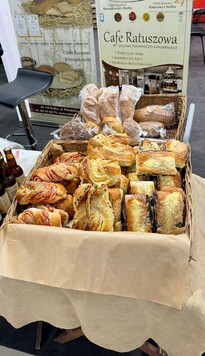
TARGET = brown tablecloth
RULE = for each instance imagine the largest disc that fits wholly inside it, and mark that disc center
(114, 322)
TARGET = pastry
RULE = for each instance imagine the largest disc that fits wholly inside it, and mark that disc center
(181, 151)
(72, 157)
(110, 125)
(116, 196)
(122, 183)
(137, 212)
(71, 186)
(142, 187)
(99, 209)
(37, 216)
(57, 172)
(66, 205)
(148, 145)
(41, 6)
(169, 211)
(101, 146)
(122, 138)
(156, 163)
(172, 181)
(40, 193)
(80, 219)
(100, 171)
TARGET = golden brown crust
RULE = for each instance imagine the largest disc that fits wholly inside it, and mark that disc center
(116, 196)
(113, 124)
(122, 138)
(66, 205)
(137, 213)
(44, 216)
(101, 146)
(172, 181)
(72, 157)
(80, 219)
(40, 193)
(142, 187)
(71, 186)
(57, 172)
(149, 145)
(100, 171)
(156, 163)
(181, 151)
(122, 183)
(170, 209)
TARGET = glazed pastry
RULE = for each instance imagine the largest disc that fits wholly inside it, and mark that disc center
(122, 183)
(43, 216)
(57, 172)
(169, 211)
(100, 171)
(100, 146)
(156, 163)
(99, 209)
(80, 219)
(137, 212)
(122, 138)
(72, 157)
(66, 205)
(172, 181)
(116, 196)
(148, 145)
(111, 125)
(181, 151)
(40, 193)
(135, 177)
(63, 214)
(142, 187)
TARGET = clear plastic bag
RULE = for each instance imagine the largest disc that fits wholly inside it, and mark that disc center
(153, 129)
(128, 98)
(78, 129)
(132, 129)
(109, 102)
(161, 113)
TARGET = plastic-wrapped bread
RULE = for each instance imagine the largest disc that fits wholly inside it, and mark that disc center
(109, 102)
(88, 89)
(77, 129)
(90, 110)
(132, 129)
(110, 125)
(160, 113)
(128, 98)
(153, 129)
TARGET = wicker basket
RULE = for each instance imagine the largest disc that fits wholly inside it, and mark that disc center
(180, 104)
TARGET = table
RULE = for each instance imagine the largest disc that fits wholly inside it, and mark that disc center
(114, 322)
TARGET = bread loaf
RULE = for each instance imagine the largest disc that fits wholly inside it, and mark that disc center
(164, 114)
(152, 128)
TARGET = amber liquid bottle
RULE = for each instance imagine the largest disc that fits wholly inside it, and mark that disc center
(9, 181)
(14, 168)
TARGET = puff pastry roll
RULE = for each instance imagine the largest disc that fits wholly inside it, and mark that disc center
(116, 196)
(72, 157)
(156, 163)
(43, 216)
(100, 171)
(80, 219)
(66, 205)
(181, 151)
(138, 214)
(171, 181)
(101, 146)
(142, 187)
(99, 209)
(169, 210)
(40, 193)
(122, 183)
(57, 172)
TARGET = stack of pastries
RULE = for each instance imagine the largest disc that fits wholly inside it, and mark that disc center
(111, 187)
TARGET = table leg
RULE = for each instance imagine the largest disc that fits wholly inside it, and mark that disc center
(38, 335)
(69, 335)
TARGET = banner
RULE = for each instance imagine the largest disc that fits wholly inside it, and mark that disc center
(145, 43)
(56, 36)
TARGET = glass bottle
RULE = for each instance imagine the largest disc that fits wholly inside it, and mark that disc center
(14, 168)
(8, 180)
(4, 200)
